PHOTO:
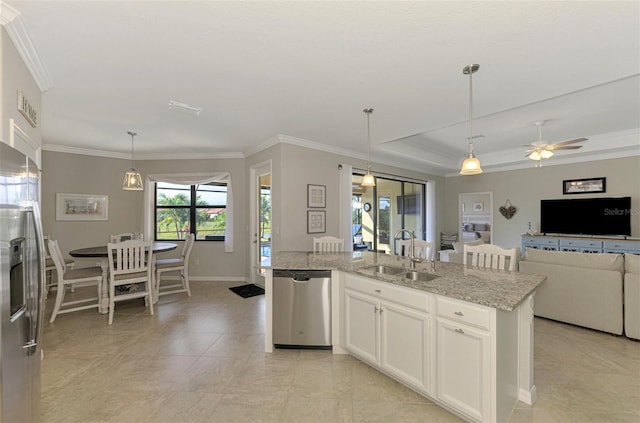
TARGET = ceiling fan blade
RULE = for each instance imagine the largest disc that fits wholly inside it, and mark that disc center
(573, 141)
(566, 147)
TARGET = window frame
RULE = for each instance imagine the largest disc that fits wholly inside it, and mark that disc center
(192, 207)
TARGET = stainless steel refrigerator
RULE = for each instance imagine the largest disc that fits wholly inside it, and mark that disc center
(21, 294)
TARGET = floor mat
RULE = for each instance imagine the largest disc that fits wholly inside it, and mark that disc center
(246, 291)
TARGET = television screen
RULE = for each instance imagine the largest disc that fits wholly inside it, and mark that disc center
(410, 205)
(587, 216)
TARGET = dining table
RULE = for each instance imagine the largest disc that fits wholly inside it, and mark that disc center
(102, 253)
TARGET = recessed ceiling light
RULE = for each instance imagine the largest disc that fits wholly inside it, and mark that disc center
(176, 105)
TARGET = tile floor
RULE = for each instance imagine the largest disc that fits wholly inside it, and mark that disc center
(200, 359)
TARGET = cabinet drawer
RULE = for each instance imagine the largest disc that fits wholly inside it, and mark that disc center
(463, 312)
(408, 297)
(545, 241)
(581, 243)
(632, 247)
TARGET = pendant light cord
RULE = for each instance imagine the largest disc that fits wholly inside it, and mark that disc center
(470, 111)
(133, 134)
(368, 113)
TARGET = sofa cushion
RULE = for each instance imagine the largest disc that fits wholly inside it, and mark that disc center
(459, 246)
(632, 302)
(613, 262)
(632, 263)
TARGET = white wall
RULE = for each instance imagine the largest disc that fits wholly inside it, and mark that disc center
(525, 188)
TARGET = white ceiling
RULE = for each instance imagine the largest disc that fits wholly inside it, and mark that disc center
(303, 71)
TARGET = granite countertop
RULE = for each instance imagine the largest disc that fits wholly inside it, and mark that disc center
(502, 290)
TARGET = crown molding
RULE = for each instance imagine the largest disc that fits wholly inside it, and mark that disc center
(12, 22)
(127, 156)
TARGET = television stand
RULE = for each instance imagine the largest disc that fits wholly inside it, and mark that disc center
(581, 243)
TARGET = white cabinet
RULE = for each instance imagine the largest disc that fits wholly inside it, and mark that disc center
(464, 378)
(389, 328)
(362, 327)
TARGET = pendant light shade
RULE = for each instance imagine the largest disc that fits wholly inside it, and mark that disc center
(368, 180)
(132, 179)
(471, 165)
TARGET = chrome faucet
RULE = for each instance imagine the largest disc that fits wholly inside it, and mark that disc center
(412, 258)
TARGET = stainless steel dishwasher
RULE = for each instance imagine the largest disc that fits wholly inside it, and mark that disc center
(302, 309)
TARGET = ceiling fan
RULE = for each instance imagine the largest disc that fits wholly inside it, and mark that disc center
(541, 150)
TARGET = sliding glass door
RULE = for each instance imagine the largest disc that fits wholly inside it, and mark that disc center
(380, 211)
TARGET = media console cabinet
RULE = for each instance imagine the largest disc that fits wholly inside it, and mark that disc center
(594, 244)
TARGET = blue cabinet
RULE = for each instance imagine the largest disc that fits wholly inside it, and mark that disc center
(582, 245)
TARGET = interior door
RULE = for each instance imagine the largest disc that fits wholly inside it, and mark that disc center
(261, 235)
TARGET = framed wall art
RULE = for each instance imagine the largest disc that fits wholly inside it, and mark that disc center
(316, 221)
(584, 186)
(316, 196)
(82, 206)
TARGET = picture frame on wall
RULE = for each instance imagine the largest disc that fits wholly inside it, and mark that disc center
(316, 196)
(82, 206)
(584, 186)
(316, 221)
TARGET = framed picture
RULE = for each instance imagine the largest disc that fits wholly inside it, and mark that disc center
(82, 206)
(316, 196)
(584, 186)
(316, 221)
(478, 207)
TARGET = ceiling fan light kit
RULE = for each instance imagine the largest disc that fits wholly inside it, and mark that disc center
(471, 165)
(542, 151)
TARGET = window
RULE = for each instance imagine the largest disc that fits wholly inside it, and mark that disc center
(182, 209)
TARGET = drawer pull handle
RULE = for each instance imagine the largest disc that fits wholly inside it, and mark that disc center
(378, 291)
(458, 313)
(459, 330)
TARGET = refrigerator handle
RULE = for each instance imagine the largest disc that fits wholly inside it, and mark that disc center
(37, 224)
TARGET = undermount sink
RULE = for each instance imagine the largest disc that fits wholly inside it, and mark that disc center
(386, 270)
(420, 276)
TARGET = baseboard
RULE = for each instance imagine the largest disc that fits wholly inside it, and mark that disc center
(528, 397)
(210, 278)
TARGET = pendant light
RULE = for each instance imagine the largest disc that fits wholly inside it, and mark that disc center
(368, 180)
(132, 179)
(471, 165)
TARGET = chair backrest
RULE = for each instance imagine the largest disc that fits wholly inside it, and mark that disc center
(328, 244)
(128, 257)
(56, 256)
(490, 256)
(126, 236)
(188, 246)
(424, 249)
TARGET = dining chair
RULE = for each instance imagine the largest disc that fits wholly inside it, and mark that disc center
(126, 236)
(49, 267)
(67, 276)
(491, 256)
(175, 265)
(328, 244)
(424, 249)
(130, 273)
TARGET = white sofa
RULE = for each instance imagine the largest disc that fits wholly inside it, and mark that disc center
(582, 289)
(455, 255)
(632, 296)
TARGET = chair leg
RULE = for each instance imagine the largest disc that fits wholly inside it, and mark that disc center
(185, 281)
(112, 303)
(59, 298)
(150, 296)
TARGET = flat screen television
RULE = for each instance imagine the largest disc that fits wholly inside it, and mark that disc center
(411, 204)
(587, 216)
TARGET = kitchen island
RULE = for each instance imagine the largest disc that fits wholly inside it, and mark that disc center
(461, 336)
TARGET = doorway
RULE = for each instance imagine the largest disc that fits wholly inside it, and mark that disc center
(261, 212)
(476, 217)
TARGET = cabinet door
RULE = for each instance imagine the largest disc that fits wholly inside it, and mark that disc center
(361, 326)
(405, 344)
(464, 364)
